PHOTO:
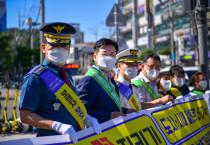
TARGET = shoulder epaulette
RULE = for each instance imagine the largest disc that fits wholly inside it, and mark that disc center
(39, 70)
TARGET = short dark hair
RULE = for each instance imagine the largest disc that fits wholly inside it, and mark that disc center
(154, 56)
(105, 42)
(176, 69)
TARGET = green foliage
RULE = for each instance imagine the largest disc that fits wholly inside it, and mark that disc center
(145, 52)
(164, 51)
(4, 42)
(92, 62)
(18, 58)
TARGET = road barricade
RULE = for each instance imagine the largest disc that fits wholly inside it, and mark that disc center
(185, 122)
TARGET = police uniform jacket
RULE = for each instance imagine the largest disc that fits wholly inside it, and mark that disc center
(123, 100)
(36, 97)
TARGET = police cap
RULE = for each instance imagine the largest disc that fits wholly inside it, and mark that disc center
(129, 55)
(58, 33)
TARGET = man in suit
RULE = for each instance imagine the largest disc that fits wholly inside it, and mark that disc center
(97, 89)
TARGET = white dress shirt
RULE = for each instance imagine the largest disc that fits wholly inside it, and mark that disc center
(123, 100)
(143, 95)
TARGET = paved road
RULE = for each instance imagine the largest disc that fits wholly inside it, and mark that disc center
(15, 136)
(12, 136)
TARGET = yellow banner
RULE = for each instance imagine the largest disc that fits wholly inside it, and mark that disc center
(73, 104)
(138, 131)
(201, 138)
(186, 122)
(181, 120)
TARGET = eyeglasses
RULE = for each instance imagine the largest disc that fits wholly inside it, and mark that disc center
(153, 66)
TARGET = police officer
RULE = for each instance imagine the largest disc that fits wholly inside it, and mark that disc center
(41, 104)
(128, 61)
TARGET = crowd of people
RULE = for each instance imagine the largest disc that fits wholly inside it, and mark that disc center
(53, 105)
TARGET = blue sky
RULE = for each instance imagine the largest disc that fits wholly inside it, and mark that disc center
(91, 14)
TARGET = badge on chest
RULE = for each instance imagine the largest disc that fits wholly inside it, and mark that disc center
(56, 106)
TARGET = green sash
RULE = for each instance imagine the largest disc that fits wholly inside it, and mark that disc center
(198, 92)
(146, 87)
(105, 84)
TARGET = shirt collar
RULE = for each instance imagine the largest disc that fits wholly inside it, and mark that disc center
(144, 77)
(122, 80)
(51, 66)
(107, 76)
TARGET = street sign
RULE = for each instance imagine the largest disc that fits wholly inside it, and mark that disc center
(121, 21)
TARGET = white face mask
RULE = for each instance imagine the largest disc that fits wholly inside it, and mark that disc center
(179, 82)
(131, 72)
(152, 74)
(166, 84)
(106, 62)
(58, 55)
(203, 84)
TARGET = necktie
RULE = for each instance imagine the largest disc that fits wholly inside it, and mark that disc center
(64, 77)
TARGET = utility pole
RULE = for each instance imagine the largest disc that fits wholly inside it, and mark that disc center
(149, 26)
(115, 21)
(135, 24)
(41, 33)
(195, 35)
(172, 34)
(18, 37)
(200, 16)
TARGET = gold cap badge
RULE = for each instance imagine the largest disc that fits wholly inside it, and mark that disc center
(134, 52)
(58, 28)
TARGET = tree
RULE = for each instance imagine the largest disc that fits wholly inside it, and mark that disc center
(92, 62)
(18, 59)
(164, 51)
(6, 52)
(145, 52)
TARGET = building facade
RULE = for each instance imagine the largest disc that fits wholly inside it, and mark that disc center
(158, 14)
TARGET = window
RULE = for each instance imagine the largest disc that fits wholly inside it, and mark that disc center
(128, 35)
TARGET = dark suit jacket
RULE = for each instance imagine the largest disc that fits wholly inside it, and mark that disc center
(96, 100)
